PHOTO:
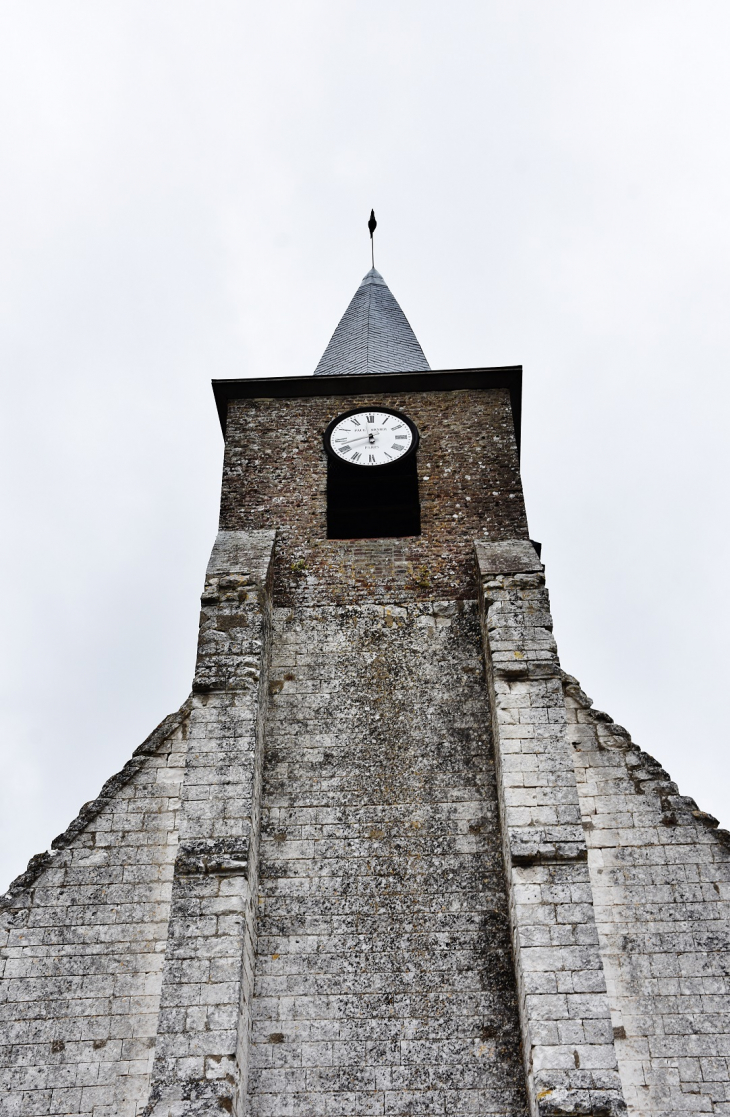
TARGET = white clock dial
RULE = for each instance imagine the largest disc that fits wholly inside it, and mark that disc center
(371, 438)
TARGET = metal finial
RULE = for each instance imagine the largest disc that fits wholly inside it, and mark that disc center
(372, 226)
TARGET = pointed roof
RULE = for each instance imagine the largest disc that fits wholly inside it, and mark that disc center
(373, 336)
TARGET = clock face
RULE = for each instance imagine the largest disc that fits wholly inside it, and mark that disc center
(371, 437)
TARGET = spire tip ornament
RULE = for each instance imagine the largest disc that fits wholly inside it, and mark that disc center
(372, 226)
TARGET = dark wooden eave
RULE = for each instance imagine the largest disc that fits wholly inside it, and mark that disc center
(447, 380)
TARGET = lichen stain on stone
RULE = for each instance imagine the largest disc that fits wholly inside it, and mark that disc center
(381, 906)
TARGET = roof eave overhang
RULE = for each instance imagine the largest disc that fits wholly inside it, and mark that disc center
(444, 380)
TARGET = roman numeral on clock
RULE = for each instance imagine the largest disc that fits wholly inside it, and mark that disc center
(370, 418)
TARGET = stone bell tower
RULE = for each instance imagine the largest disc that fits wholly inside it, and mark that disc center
(385, 859)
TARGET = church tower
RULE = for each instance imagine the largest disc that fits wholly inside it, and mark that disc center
(385, 859)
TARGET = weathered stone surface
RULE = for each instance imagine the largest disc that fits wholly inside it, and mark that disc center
(82, 937)
(275, 474)
(201, 1055)
(447, 862)
(660, 874)
(511, 556)
(222, 856)
(568, 1046)
(384, 979)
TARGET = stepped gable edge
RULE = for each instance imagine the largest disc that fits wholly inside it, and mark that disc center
(646, 769)
(41, 861)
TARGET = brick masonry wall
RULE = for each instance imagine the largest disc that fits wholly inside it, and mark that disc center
(385, 982)
(275, 475)
(82, 939)
(660, 872)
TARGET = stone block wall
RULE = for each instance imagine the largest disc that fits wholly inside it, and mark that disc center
(385, 982)
(660, 874)
(82, 940)
(201, 1056)
(568, 1048)
(127, 953)
(386, 859)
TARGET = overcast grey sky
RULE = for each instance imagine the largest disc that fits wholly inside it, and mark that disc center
(185, 190)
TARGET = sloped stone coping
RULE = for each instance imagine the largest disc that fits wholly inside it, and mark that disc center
(644, 770)
(90, 810)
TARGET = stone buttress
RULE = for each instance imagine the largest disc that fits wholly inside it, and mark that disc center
(128, 951)
(201, 1054)
(393, 875)
(568, 1046)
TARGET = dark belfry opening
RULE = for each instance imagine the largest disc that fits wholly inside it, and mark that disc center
(372, 503)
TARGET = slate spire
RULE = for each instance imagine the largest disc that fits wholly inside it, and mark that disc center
(374, 335)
